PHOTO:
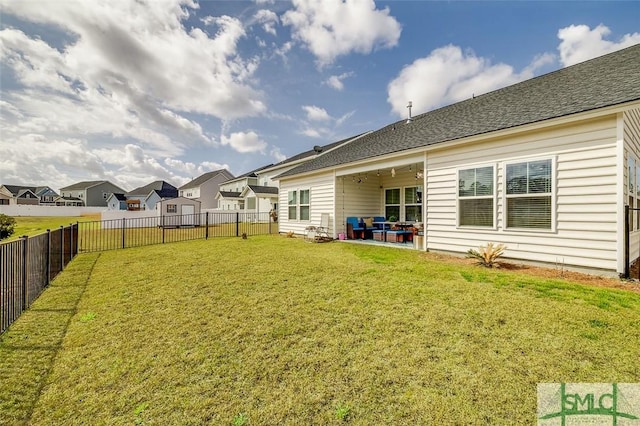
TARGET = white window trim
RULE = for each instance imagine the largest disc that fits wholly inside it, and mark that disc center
(384, 201)
(298, 204)
(554, 185)
(494, 227)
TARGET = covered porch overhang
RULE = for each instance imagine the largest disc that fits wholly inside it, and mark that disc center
(389, 188)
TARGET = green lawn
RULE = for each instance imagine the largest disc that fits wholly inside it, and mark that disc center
(34, 225)
(271, 330)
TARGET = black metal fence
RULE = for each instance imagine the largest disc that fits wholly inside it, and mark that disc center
(28, 265)
(144, 231)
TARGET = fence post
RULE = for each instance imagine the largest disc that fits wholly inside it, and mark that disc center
(269, 221)
(237, 224)
(48, 257)
(71, 242)
(61, 248)
(626, 241)
(25, 275)
(206, 222)
(124, 223)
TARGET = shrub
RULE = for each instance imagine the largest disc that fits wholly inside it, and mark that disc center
(487, 255)
(7, 225)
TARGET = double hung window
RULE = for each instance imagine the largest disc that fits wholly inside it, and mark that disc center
(392, 204)
(299, 205)
(529, 194)
(476, 197)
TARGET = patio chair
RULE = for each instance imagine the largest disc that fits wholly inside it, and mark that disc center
(354, 228)
(319, 233)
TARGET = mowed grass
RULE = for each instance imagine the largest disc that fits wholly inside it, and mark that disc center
(271, 330)
(34, 225)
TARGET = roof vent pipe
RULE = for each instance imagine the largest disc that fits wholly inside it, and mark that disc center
(409, 106)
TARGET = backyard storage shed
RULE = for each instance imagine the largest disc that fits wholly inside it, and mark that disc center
(545, 166)
(180, 211)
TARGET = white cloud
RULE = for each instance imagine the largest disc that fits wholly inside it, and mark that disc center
(277, 154)
(312, 133)
(580, 43)
(268, 19)
(315, 113)
(450, 75)
(131, 70)
(333, 28)
(244, 142)
(344, 118)
(335, 81)
(127, 80)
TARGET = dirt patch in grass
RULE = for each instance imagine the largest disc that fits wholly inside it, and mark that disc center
(550, 273)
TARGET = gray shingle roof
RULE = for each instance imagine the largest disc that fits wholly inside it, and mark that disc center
(164, 190)
(263, 189)
(82, 185)
(312, 152)
(203, 178)
(605, 81)
(230, 194)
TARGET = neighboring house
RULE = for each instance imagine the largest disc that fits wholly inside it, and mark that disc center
(180, 211)
(545, 166)
(90, 193)
(116, 201)
(205, 187)
(69, 202)
(27, 194)
(265, 191)
(146, 197)
(232, 195)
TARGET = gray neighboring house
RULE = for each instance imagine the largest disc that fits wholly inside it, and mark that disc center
(27, 194)
(205, 188)
(91, 193)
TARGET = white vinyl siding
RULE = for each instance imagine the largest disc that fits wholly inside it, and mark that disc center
(584, 209)
(321, 200)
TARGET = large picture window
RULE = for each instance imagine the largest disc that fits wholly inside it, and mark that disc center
(476, 197)
(299, 205)
(528, 192)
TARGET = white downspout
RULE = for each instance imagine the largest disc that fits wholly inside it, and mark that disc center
(620, 185)
(425, 195)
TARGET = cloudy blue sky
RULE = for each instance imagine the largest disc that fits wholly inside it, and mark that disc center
(139, 90)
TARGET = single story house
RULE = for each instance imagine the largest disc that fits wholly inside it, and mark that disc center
(179, 211)
(545, 166)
